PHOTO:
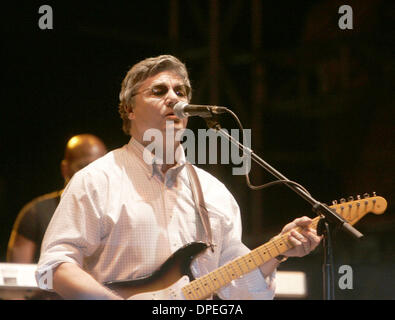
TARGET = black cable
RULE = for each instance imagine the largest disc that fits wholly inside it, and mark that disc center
(269, 184)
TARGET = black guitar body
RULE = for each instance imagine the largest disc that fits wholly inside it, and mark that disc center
(175, 267)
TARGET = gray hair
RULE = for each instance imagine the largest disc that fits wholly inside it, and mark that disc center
(138, 74)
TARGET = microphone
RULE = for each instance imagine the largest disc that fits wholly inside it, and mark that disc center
(183, 110)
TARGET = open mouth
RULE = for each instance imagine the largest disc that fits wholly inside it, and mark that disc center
(172, 117)
(170, 114)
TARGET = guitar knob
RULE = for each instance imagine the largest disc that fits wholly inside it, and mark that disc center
(334, 202)
(342, 200)
(374, 193)
(350, 198)
(366, 195)
(359, 197)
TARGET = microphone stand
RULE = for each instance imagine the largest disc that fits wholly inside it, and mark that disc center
(329, 216)
(324, 229)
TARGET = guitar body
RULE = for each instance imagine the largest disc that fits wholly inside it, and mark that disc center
(166, 282)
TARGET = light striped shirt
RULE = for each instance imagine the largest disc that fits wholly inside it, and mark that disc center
(121, 218)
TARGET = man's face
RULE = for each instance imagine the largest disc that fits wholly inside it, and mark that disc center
(80, 155)
(154, 102)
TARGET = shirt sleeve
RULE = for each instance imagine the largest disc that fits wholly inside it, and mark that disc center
(74, 231)
(251, 286)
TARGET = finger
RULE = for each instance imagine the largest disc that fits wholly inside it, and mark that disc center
(312, 234)
(298, 249)
(306, 249)
(307, 242)
(298, 222)
(295, 242)
(299, 236)
(288, 227)
(303, 221)
(312, 230)
(314, 240)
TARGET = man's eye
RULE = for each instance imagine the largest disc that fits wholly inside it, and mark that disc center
(181, 91)
(159, 90)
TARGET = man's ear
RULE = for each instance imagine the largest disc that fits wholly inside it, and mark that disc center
(131, 115)
(64, 168)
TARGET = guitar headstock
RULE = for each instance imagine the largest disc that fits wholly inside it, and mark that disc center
(354, 209)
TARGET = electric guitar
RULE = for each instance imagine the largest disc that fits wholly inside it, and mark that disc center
(172, 281)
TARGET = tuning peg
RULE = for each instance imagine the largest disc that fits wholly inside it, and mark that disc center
(342, 200)
(366, 195)
(350, 198)
(334, 202)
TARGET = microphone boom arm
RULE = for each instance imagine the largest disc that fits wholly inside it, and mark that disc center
(319, 208)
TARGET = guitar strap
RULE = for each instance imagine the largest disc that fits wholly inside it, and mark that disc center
(198, 198)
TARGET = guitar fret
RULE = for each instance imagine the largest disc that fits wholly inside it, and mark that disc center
(201, 291)
(279, 245)
(268, 251)
(274, 243)
(261, 250)
(249, 261)
(214, 282)
(211, 282)
(223, 272)
(286, 241)
(195, 290)
(233, 274)
(220, 274)
(188, 291)
(198, 289)
(237, 262)
(192, 293)
(203, 284)
(255, 254)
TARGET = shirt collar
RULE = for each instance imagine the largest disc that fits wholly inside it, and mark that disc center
(153, 164)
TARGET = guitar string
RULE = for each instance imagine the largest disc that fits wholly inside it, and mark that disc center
(241, 261)
(269, 246)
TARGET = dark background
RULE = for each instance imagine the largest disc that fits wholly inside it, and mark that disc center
(317, 98)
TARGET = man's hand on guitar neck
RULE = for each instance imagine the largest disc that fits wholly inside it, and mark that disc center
(304, 241)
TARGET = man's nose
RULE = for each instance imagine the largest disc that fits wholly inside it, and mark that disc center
(171, 98)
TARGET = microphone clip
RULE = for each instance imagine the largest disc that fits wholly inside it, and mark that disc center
(213, 122)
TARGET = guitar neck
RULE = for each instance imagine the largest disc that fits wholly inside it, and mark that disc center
(208, 284)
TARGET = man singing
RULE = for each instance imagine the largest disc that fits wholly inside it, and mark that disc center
(124, 215)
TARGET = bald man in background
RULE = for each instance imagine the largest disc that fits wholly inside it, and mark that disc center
(32, 221)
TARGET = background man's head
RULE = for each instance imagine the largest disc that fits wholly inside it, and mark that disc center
(80, 151)
(140, 72)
